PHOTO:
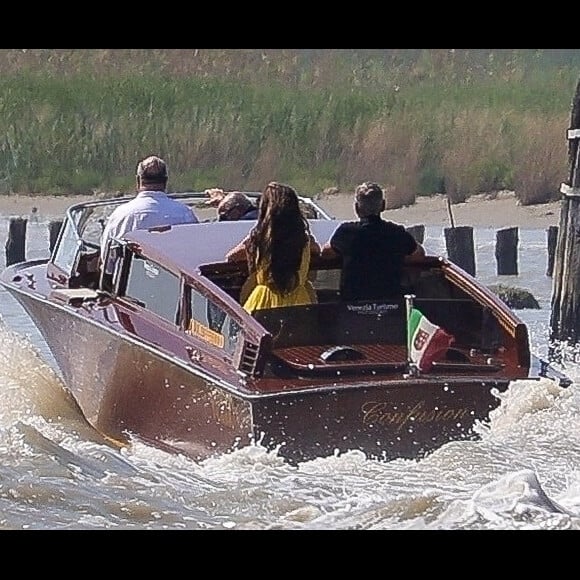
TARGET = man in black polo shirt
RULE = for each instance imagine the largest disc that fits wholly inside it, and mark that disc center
(372, 249)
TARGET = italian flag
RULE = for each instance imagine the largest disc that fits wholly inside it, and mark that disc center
(426, 340)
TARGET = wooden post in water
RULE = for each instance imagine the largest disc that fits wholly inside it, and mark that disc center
(506, 251)
(418, 232)
(53, 231)
(16, 242)
(459, 241)
(565, 314)
(460, 247)
(552, 241)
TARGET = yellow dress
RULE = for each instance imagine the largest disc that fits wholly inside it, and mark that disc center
(264, 295)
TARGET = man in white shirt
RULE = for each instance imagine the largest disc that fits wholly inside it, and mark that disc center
(151, 207)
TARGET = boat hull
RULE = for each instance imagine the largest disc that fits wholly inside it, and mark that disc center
(385, 421)
(126, 389)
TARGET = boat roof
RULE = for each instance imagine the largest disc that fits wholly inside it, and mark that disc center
(184, 247)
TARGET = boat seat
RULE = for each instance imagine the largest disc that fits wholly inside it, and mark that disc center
(338, 323)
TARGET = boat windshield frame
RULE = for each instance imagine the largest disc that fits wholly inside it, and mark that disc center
(83, 224)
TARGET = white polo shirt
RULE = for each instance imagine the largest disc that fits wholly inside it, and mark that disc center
(147, 209)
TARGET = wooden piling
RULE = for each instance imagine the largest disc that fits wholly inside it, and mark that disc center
(53, 232)
(506, 251)
(460, 247)
(16, 242)
(552, 241)
(565, 307)
(418, 232)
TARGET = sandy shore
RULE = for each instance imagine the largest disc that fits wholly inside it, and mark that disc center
(479, 211)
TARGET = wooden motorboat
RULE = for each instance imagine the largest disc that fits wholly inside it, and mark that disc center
(156, 345)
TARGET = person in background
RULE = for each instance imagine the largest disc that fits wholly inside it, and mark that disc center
(278, 250)
(236, 206)
(151, 207)
(372, 249)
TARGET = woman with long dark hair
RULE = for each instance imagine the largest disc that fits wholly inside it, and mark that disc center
(278, 250)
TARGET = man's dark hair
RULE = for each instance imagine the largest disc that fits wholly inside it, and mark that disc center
(369, 199)
(233, 206)
(152, 170)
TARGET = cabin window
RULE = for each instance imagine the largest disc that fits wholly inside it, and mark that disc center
(212, 323)
(67, 249)
(154, 287)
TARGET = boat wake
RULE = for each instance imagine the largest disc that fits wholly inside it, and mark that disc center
(29, 385)
(521, 474)
(33, 393)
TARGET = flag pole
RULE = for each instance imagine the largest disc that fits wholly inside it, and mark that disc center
(412, 369)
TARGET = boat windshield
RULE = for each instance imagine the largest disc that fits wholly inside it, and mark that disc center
(80, 236)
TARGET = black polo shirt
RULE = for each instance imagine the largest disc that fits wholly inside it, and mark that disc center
(372, 252)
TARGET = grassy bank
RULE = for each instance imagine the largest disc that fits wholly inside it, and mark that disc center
(417, 121)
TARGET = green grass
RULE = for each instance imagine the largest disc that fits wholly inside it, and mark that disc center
(417, 121)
